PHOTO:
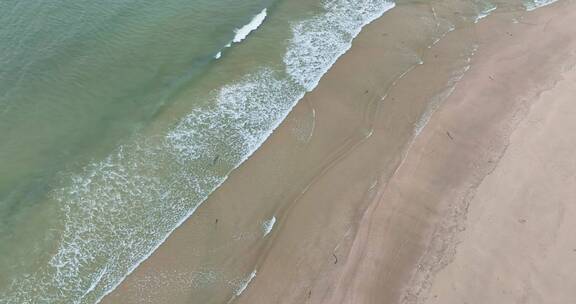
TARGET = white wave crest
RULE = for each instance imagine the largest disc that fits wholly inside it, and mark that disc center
(244, 31)
(245, 283)
(268, 225)
(318, 42)
(535, 4)
(117, 211)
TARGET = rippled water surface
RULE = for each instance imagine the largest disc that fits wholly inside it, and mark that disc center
(118, 118)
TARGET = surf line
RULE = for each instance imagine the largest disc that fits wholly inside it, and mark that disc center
(243, 32)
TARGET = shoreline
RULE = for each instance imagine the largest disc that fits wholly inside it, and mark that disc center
(243, 32)
(366, 135)
(369, 272)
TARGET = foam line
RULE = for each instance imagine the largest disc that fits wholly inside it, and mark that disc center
(535, 4)
(244, 31)
(169, 176)
(269, 225)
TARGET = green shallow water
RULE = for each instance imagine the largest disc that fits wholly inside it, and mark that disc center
(111, 115)
(78, 79)
(117, 120)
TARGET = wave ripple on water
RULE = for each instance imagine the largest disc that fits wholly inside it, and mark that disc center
(119, 210)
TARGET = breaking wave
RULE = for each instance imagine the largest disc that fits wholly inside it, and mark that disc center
(117, 211)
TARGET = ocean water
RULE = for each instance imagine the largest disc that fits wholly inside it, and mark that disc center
(98, 167)
(119, 118)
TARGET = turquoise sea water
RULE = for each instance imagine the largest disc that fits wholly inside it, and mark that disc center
(118, 118)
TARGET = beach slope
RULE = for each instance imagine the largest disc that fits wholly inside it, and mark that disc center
(447, 182)
(479, 209)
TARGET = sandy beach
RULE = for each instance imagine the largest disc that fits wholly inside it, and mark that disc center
(448, 183)
(518, 246)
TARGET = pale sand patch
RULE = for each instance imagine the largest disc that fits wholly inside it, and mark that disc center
(520, 242)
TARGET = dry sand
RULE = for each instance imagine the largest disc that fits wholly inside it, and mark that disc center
(475, 209)
(519, 245)
(410, 247)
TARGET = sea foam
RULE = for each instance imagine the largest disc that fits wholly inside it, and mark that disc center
(534, 4)
(117, 211)
(245, 283)
(318, 42)
(268, 225)
(244, 31)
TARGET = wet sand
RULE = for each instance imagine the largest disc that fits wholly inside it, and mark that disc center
(374, 205)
